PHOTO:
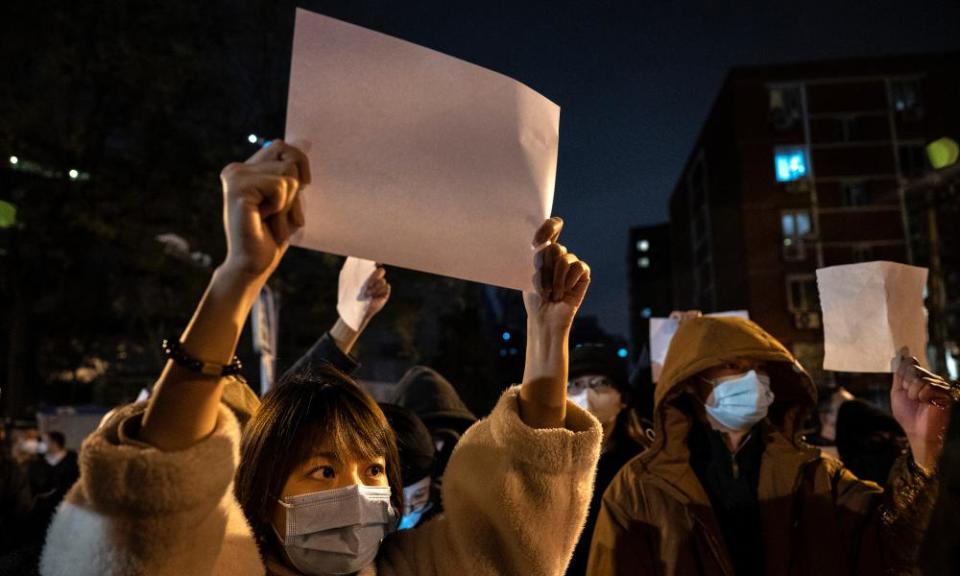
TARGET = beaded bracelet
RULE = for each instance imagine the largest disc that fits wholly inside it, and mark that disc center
(173, 350)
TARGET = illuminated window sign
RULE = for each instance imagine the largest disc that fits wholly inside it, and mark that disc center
(790, 164)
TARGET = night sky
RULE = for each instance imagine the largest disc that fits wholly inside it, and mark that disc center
(635, 81)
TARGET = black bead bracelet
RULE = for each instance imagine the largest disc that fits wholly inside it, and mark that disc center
(173, 350)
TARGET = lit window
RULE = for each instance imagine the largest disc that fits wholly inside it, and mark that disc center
(643, 245)
(795, 225)
(643, 262)
(790, 163)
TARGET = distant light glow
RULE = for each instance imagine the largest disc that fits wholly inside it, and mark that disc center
(266, 143)
(74, 174)
(252, 138)
(643, 245)
(643, 262)
(503, 352)
(513, 351)
(506, 336)
(790, 164)
(622, 352)
(14, 160)
(646, 312)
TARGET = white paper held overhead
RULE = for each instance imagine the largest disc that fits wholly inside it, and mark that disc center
(662, 331)
(352, 300)
(419, 159)
(870, 311)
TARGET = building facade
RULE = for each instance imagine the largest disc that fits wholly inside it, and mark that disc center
(650, 281)
(800, 167)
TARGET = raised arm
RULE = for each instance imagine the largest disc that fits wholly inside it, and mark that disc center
(335, 346)
(261, 209)
(562, 280)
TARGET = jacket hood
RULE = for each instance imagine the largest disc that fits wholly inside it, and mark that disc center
(707, 342)
(431, 397)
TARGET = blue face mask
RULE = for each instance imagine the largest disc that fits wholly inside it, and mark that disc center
(413, 518)
(739, 402)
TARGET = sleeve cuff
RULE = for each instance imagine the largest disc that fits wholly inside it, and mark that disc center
(325, 351)
(122, 474)
(577, 445)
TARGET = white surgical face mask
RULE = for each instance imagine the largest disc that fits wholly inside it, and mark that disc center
(739, 402)
(337, 531)
(33, 446)
(604, 403)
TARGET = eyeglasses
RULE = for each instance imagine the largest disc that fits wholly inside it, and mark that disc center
(596, 383)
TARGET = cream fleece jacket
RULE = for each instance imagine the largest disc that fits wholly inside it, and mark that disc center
(515, 501)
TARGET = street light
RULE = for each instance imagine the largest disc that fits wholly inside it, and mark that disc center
(14, 160)
(252, 138)
(74, 174)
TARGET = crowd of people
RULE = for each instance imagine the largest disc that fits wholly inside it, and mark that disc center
(580, 469)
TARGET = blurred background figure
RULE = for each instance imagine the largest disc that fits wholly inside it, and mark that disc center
(27, 445)
(51, 474)
(436, 402)
(823, 428)
(940, 555)
(15, 501)
(599, 384)
(868, 440)
(417, 460)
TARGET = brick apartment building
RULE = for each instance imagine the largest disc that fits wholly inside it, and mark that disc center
(803, 166)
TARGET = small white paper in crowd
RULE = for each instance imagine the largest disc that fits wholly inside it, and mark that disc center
(661, 334)
(419, 159)
(870, 311)
(352, 301)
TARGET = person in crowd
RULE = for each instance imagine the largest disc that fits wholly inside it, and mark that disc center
(15, 498)
(51, 475)
(317, 478)
(729, 487)
(869, 440)
(435, 401)
(940, 553)
(335, 347)
(598, 384)
(417, 461)
(823, 424)
(29, 446)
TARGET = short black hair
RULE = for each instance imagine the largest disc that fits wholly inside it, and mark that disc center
(57, 438)
(301, 412)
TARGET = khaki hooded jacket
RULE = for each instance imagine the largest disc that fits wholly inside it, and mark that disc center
(816, 517)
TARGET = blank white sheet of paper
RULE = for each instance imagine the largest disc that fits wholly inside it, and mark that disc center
(418, 159)
(352, 299)
(870, 311)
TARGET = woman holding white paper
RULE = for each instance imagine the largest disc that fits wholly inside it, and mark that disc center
(316, 475)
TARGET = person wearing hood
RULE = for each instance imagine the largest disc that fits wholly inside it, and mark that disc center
(435, 401)
(313, 488)
(729, 487)
(598, 384)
